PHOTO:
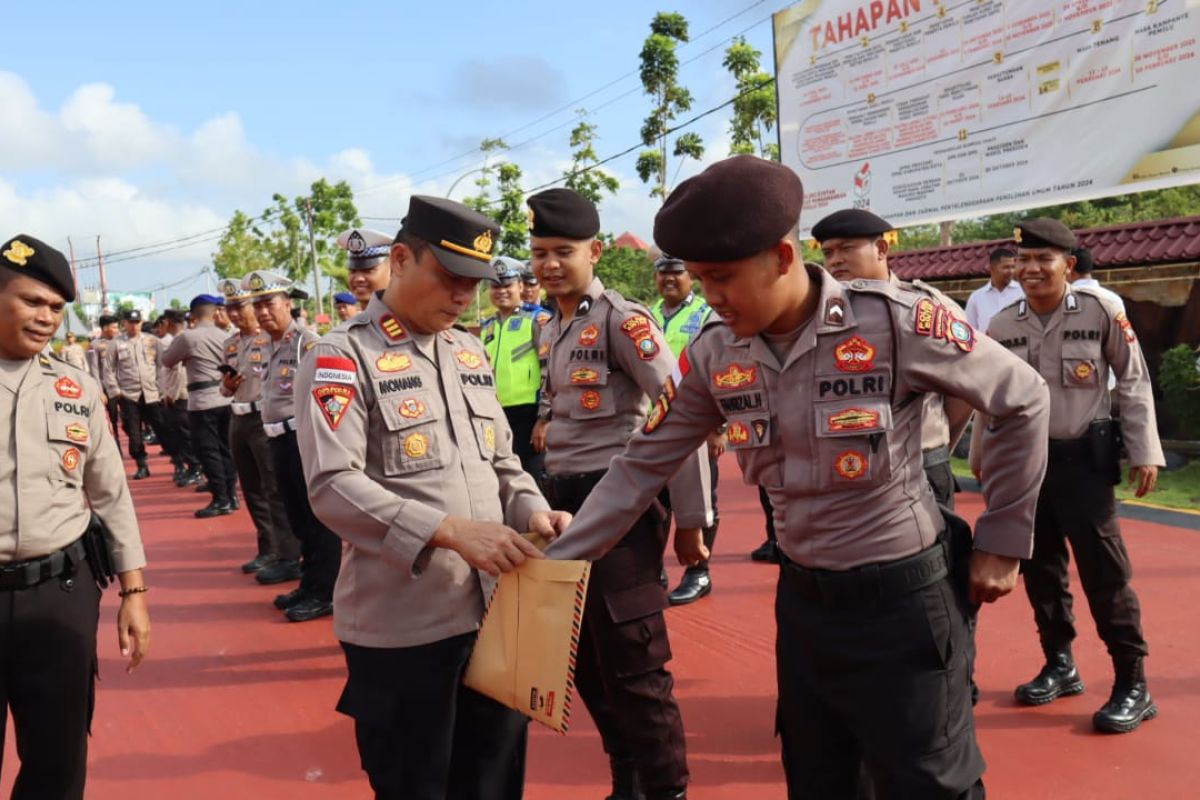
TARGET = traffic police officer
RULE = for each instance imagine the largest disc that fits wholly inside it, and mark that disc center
(320, 550)
(201, 349)
(1073, 335)
(366, 262)
(97, 361)
(603, 356)
(59, 469)
(510, 337)
(852, 241)
(345, 305)
(409, 457)
(681, 313)
(531, 292)
(131, 376)
(247, 354)
(820, 385)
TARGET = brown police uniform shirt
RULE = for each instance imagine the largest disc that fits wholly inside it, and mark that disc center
(279, 379)
(397, 432)
(599, 371)
(832, 430)
(97, 360)
(171, 380)
(132, 367)
(201, 350)
(73, 355)
(251, 357)
(1073, 350)
(60, 464)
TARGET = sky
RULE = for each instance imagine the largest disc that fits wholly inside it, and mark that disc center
(149, 124)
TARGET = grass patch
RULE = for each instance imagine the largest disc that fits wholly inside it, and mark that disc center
(1178, 489)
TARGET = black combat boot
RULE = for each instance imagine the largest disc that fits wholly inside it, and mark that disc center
(1130, 702)
(765, 553)
(1057, 678)
(624, 780)
(143, 470)
(696, 583)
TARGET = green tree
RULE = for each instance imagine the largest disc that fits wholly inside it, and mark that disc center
(1179, 379)
(660, 80)
(627, 270)
(585, 176)
(240, 249)
(481, 201)
(754, 110)
(81, 314)
(509, 212)
(176, 303)
(332, 210)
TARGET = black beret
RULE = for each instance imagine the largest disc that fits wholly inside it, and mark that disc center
(106, 319)
(463, 239)
(732, 210)
(850, 223)
(562, 212)
(38, 260)
(1044, 232)
(1083, 260)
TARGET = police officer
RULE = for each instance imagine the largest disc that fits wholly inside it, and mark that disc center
(531, 292)
(872, 643)
(72, 353)
(1073, 335)
(59, 469)
(852, 241)
(201, 350)
(366, 262)
(320, 550)
(409, 457)
(681, 313)
(510, 337)
(172, 387)
(345, 305)
(603, 356)
(97, 361)
(247, 355)
(131, 376)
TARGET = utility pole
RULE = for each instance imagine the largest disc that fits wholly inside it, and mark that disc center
(312, 249)
(74, 278)
(103, 280)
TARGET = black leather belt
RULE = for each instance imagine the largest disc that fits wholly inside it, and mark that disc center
(1066, 451)
(27, 574)
(935, 456)
(200, 386)
(870, 584)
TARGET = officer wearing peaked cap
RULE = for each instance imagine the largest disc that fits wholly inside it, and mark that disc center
(604, 357)
(867, 573)
(60, 474)
(1073, 336)
(409, 457)
(247, 354)
(201, 351)
(510, 337)
(367, 262)
(320, 550)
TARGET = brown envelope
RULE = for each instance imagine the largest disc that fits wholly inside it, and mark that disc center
(525, 655)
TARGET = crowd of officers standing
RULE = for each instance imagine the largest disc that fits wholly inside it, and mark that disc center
(389, 465)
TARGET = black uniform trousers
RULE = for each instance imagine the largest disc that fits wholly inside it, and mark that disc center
(764, 500)
(421, 734)
(113, 407)
(709, 532)
(175, 417)
(320, 548)
(135, 412)
(521, 420)
(252, 460)
(876, 695)
(210, 440)
(1077, 504)
(623, 648)
(47, 680)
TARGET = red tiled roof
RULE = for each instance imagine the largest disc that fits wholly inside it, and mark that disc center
(627, 239)
(1167, 241)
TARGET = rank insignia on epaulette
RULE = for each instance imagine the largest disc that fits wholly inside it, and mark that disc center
(835, 311)
(392, 328)
(43, 360)
(1072, 302)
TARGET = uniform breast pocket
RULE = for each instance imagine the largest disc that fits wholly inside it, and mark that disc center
(413, 442)
(68, 440)
(750, 437)
(485, 415)
(852, 443)
(589, 393)
(1081, 365)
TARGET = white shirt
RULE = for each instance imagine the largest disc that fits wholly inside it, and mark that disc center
(1092, 283)
(985, 301)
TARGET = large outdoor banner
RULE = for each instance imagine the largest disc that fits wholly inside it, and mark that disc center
(925, 111)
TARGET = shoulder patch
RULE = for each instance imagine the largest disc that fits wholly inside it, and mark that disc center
(333, 402)
(1126, 327)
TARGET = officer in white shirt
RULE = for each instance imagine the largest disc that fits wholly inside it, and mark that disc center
(998, 292)
(1081, 275)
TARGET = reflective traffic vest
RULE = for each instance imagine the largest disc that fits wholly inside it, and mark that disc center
(512, 348)
(685, 323)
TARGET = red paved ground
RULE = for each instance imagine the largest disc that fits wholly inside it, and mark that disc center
(237, 703)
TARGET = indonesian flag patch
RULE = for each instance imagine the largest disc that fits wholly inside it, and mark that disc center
(334, 400)
(334, 369)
